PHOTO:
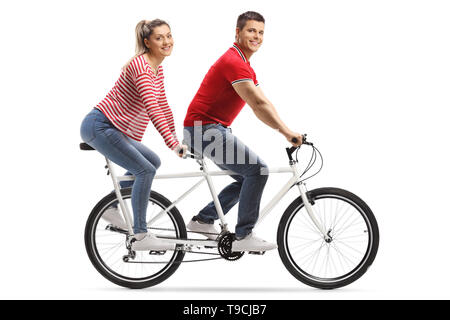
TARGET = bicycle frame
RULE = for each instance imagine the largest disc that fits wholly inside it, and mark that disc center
(207, 175)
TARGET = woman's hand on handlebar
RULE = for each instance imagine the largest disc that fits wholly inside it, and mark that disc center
(180, 150)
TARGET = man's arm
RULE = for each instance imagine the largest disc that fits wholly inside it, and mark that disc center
(264, 109)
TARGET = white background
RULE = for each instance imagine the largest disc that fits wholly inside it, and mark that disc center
(367, 80)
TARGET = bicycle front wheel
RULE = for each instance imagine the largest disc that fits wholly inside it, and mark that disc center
(349, 252)
(107, 250)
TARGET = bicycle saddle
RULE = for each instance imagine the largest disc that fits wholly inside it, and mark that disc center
(85, 146)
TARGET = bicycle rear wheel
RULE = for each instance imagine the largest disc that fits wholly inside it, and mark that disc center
(351, 249)
(106, 247)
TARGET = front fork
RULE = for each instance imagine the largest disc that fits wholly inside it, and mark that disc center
(309, 208)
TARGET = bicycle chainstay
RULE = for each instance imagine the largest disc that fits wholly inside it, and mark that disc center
(224, 248)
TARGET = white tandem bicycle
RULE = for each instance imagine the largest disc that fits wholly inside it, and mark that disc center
(327, 237)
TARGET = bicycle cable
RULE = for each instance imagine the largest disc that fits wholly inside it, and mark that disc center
(311, 163)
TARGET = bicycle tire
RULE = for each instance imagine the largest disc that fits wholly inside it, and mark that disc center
(286, 226)
(105, 270)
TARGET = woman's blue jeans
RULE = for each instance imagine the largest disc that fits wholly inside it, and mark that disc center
(98, 132)
(229, 153)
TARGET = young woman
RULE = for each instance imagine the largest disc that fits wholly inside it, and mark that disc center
(116, 125)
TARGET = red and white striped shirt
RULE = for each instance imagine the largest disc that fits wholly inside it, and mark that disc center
(138, 97)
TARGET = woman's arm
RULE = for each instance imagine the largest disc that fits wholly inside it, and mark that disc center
(145, 85)
(167, 111)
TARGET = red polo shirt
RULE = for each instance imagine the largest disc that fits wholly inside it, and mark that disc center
(216, 100)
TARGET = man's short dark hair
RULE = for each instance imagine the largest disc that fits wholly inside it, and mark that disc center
(249, 15)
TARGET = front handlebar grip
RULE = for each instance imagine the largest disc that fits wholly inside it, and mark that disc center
(295, 140)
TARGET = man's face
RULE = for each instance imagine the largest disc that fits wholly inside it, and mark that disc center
(251, 36)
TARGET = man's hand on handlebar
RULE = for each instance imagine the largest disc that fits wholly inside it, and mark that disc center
(294, 138)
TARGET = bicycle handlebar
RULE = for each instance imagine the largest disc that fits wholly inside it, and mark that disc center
(295, 140)
(291, 150)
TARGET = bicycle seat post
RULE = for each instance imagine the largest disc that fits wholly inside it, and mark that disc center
(214, 195)
(123, 205)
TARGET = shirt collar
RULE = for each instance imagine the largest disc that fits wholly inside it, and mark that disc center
(239, 51)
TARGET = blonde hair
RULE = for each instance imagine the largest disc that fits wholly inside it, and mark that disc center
(144, 30)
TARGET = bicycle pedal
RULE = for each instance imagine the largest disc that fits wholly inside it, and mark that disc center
(257, 253)
(156, 253)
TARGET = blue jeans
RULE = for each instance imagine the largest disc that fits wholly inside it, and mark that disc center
(98, 132)
(229, 153)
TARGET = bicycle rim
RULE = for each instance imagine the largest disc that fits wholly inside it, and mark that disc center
(109, 247)
(350, 246)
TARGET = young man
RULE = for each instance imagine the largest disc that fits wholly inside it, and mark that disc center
(226, 88)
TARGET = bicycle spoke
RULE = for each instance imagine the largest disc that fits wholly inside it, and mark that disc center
(317, 253)
(299, 247)
(335, 214)
(305, 217)
(307, 256)
(351, 237)
(327, 263)
(341, 217)
(107, 234)
(308, 225)
(341, 258)
(111, 249)
(345, 259)
(350, 247)
(118, 260)
(333, 262)
(349, 254)
(301, 238)
(338, 232)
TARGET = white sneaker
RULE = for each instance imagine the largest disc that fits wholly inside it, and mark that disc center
(208, 230)
(148, 242)
(113, 216)
(252, 243)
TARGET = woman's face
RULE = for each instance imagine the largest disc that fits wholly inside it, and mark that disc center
(160, 41)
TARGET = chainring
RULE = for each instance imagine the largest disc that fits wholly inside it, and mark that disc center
(224, 247)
